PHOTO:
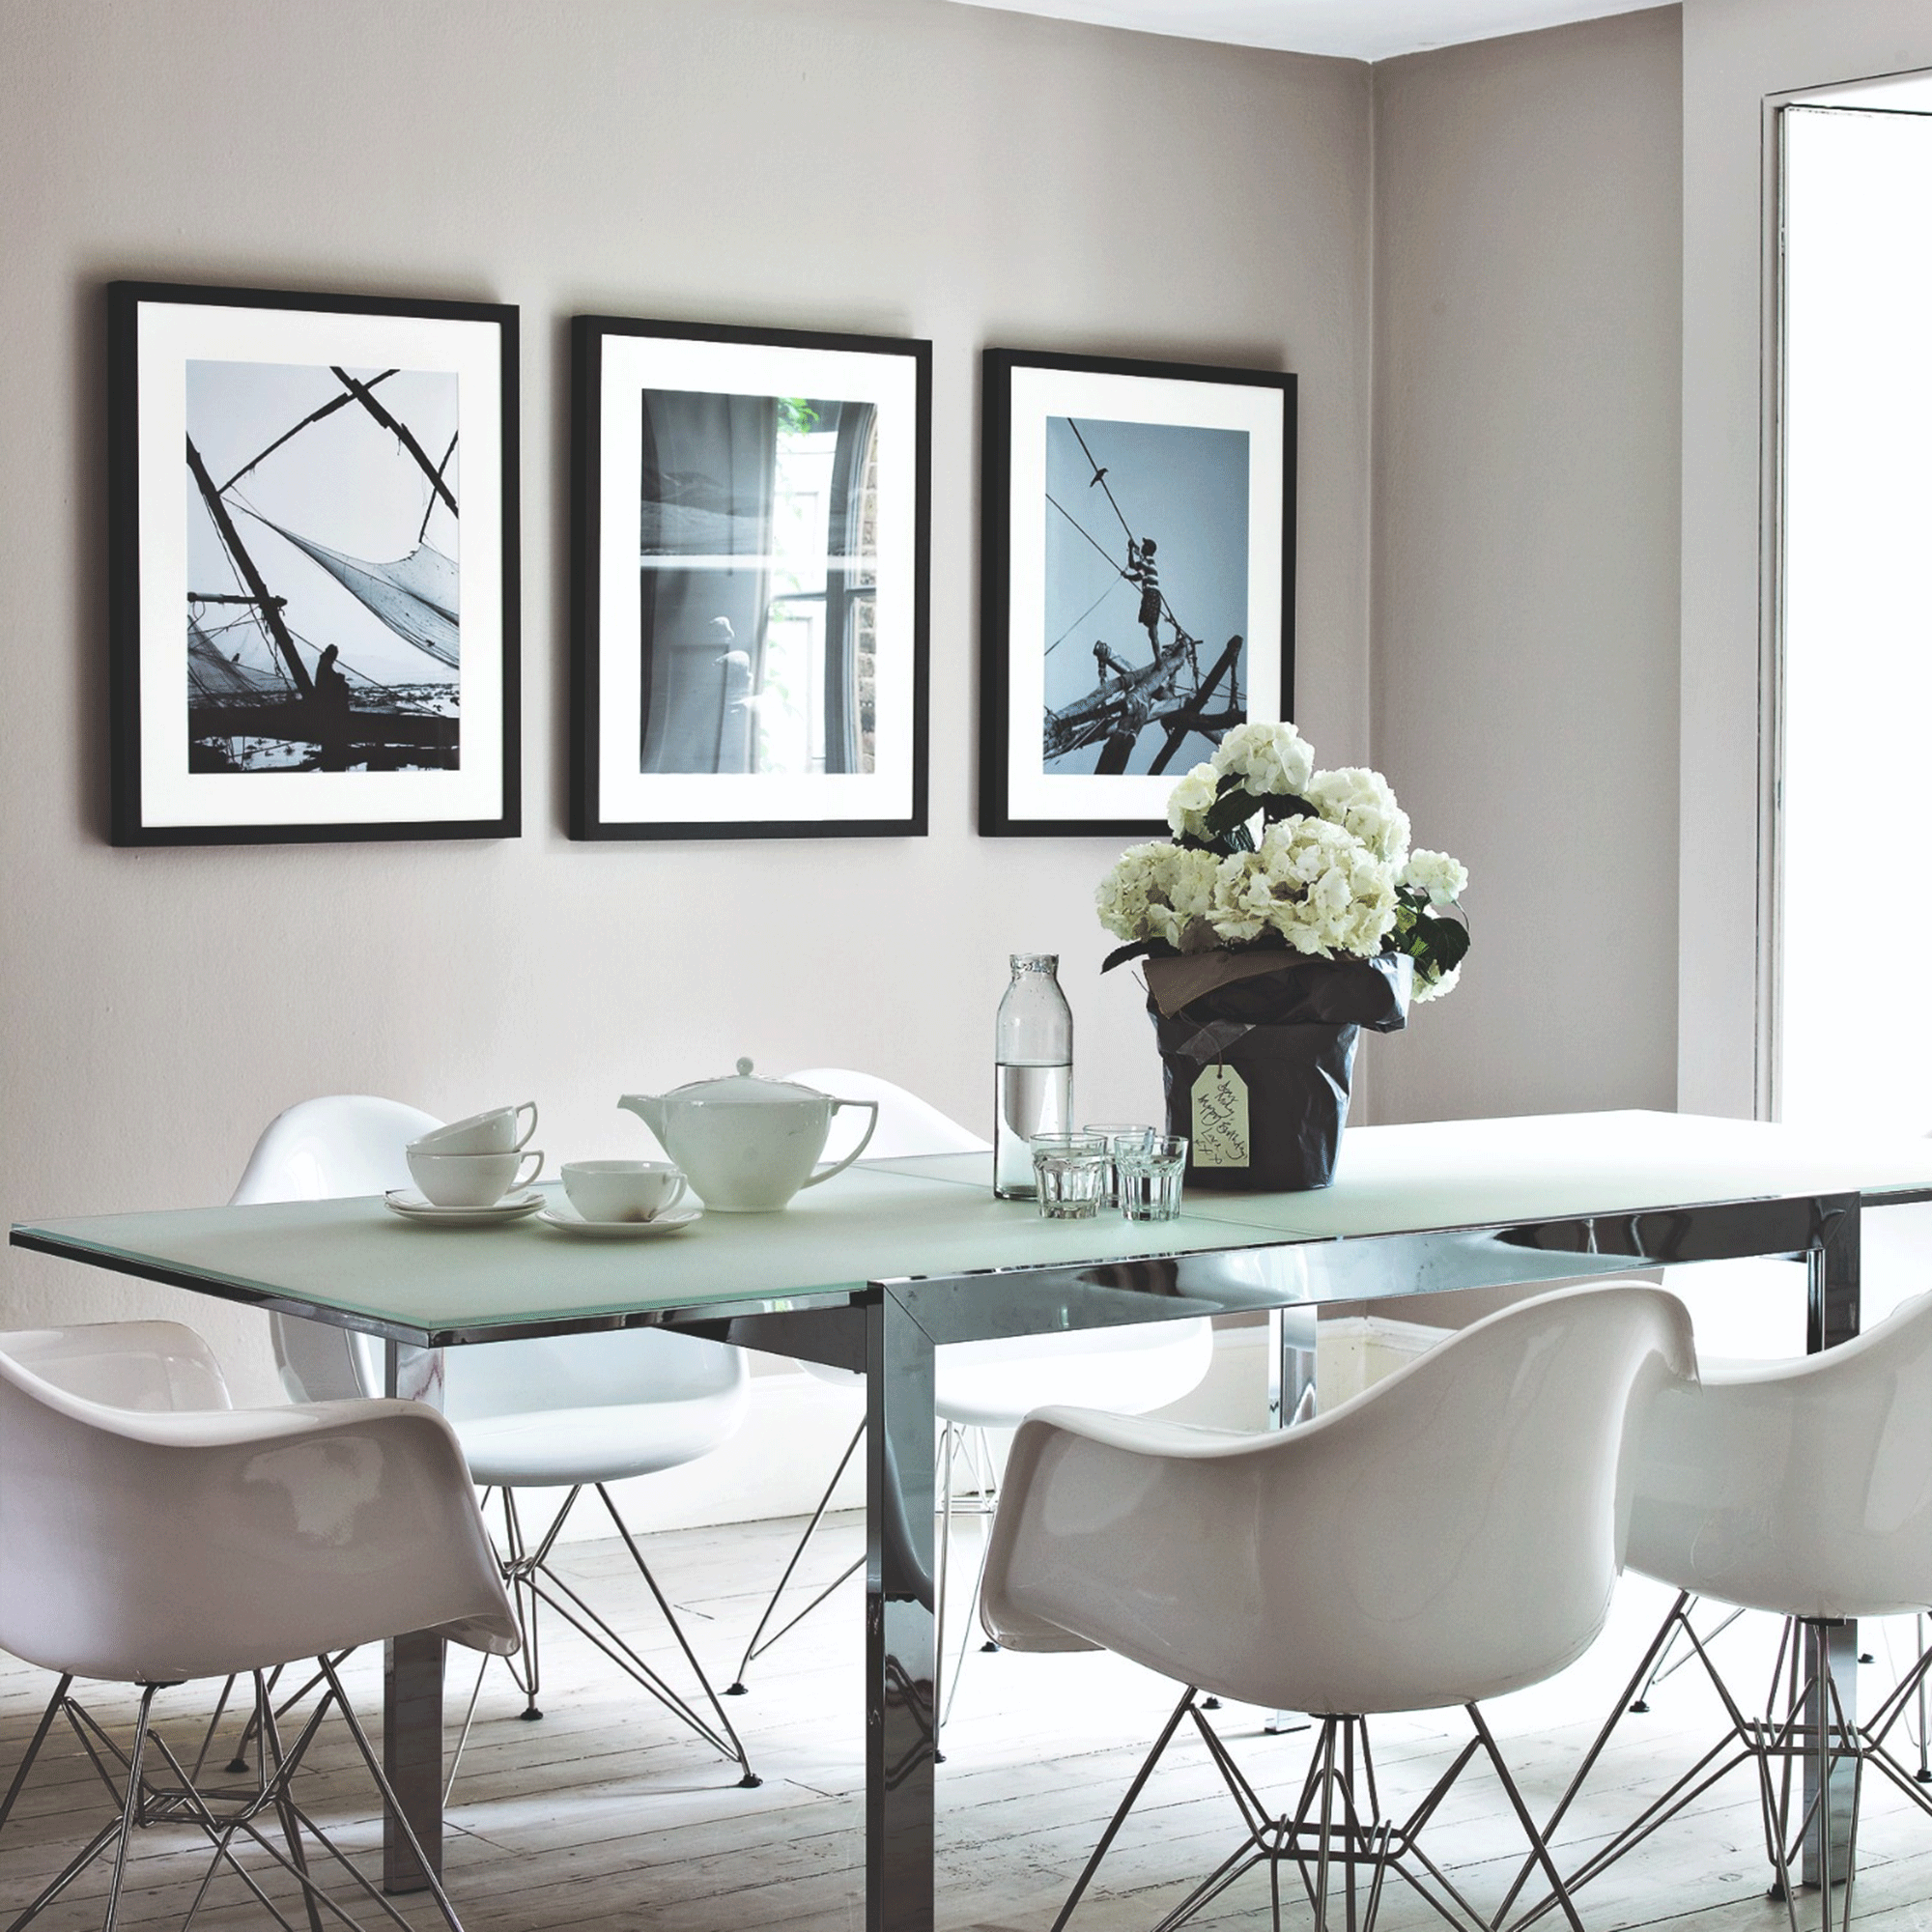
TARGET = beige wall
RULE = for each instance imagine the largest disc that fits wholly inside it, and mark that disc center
(908, 166)
(1737, 55)
(1524, 658)
(902, 166)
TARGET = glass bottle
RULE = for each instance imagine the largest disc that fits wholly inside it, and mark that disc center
(1033, 1070)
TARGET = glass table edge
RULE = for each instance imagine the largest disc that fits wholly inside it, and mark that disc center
(41, 1239)
(1253, 1236)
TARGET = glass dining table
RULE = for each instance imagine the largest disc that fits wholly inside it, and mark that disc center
(895, 1259)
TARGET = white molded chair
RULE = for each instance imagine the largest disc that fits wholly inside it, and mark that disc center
(571, 1412)
(982, 1385)
(151, 1534)
(1447, 1536)
(1801, 1487)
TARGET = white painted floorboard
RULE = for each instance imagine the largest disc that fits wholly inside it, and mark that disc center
(606, 1815)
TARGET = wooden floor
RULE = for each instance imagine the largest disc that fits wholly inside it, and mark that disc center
(605, 1815)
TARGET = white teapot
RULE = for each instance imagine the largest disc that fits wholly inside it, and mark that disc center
(748, 1145)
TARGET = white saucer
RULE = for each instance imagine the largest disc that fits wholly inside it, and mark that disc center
(413, 1207)
(561, 1214)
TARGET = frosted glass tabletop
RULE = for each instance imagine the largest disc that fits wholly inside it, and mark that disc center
(935, 1216)
(357, 1259)
(1546, 1167)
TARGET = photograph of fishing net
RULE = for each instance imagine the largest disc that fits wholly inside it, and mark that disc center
(324, 626)
(313, 566)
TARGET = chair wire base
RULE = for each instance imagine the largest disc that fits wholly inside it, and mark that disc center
(1337, 1839)
(1669, 1662)
(960, 1446)
(755, 1649)
(238, 1763)
(957, 1445)
(1804, 1721)
(227, 1815)
(534, 1584)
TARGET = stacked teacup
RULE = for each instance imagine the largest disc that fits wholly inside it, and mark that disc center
(475, 1162)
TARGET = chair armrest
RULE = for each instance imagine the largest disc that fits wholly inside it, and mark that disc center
(156, 1548)
(150, 1365)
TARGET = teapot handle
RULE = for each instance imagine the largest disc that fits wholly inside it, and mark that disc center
(839, 1166)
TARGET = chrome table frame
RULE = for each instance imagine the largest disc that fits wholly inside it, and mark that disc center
(903, 1321)
(888, 1328)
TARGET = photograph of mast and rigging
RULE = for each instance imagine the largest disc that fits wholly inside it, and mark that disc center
(323, 623)
(1137, 581)
(312, 566)
(1142, 518)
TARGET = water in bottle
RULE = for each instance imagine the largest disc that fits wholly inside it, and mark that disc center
(1033, 1079)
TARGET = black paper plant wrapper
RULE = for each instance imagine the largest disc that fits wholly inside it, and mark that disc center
(1289, 1033)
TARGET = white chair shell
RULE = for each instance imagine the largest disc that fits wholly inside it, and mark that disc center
(580, 1408)
(149, 1546)
(548, 1413)
(1801, 1486)
(565, 1412)
(1127, 1371)
(320, 1150)
(1449, 1535)
(139, 1365)
(907, 1125)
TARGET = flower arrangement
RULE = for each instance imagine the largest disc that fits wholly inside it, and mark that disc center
(1330, 874)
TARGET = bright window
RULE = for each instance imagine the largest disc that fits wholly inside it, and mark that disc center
(1854, 889)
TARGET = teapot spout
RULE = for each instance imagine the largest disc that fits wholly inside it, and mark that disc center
(649, 1108)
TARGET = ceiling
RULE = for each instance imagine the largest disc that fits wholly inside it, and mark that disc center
(1369, 30)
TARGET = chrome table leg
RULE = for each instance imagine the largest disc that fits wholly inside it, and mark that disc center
(1833, 1284)
(899, 1611)
(413, 1690)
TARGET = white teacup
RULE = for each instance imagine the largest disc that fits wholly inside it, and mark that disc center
(622, 1190)
(472, 1179)
(494, 1131)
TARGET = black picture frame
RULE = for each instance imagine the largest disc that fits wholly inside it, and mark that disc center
(1207, 455)
(751, 553)
(341, 674)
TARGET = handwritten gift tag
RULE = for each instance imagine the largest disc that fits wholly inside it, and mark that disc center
(1220, 1119)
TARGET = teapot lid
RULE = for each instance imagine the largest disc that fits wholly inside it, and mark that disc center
(748, 1089)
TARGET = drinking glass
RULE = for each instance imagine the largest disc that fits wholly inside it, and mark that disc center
(1151, 1178)
(1117, 1134)
(1069, 1176)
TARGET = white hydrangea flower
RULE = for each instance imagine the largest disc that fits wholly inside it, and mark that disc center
(1121, 897)
(1325, 884)
(1186, 895)
(1362, 800)
(1158, 891)
(1313, 882)
(1188, 802)
(1243, 898)
(1443, 878)
(1271, 760)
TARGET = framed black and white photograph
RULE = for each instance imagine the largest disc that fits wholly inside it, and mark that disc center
(313, 575)
(1137, 602)
(751, 527)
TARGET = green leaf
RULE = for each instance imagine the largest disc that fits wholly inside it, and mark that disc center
(1141, 948)
(1287, 804)
(1228, 811)
(1449, 942)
